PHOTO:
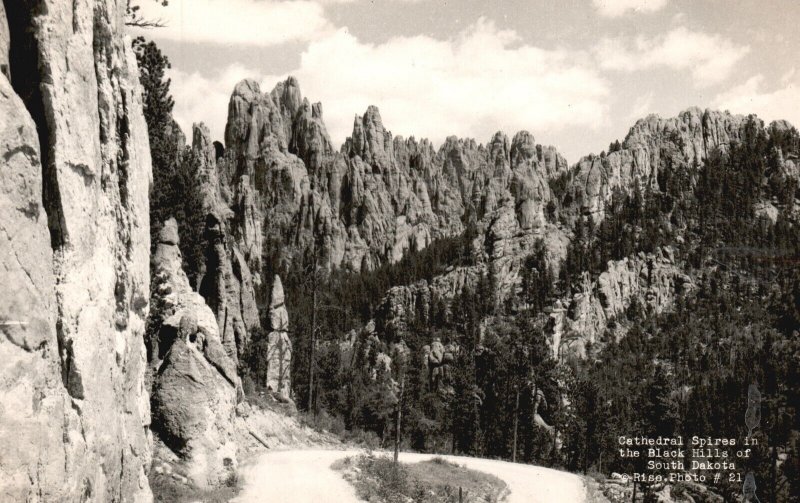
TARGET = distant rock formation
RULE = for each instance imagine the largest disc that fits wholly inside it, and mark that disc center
(380, 196)
(74, 242)
(652, 280)
(196, 386)
(653, 144)
(280, 187)
(438, 359)
(279, 352)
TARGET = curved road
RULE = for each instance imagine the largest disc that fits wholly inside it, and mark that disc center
(305, 476)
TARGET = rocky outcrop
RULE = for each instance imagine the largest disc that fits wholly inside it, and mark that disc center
(226, 281)
(654, 281)
(380, 196)
(5, 43)
(227, 287)
(384, 362)
(196, 387)
(279, 346)
(75, 373)
(438, 360)
(655, 144)
(35, 403)
(281, 188)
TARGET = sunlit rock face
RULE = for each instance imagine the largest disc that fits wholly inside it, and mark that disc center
(75, 243)
(654, 144)
(281, 188)
(279, 346)
(653, 281)
(378, 197)
(195, 385)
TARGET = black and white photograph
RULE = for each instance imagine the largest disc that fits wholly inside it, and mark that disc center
(399, 251)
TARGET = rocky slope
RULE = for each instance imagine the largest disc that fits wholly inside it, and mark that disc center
(75, 243)
(653, 144)
(653, 280)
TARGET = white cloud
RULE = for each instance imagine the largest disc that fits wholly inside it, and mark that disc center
(642, 106)
(483, 80)
(479, 82)
(615, 8)
(751, 97)
(263, 23)
(711, 58)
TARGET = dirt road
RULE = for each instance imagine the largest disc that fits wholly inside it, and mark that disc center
(304, 476)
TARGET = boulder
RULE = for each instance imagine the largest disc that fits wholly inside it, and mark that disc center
(194, 407)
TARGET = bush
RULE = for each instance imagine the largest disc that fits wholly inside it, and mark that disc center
(168, 490)
(381, 480)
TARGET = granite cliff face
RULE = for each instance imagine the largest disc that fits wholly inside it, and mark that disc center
(75, 244)
(377, 198)
(281, 185)
(653, 144)
(653, 281)
(510, 224)
(226, 282)
(75, 241)
(281, 188)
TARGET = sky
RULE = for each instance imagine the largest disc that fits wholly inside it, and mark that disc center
(577, 74)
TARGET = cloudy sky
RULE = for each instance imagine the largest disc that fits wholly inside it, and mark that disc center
(575, 73)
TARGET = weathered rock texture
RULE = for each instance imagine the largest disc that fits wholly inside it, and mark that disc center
(654, 281)
(196, 386)
(380, 196)
(75, 241)
(34, 401)
(279, 346)
(280, 191)
(438, 360)
(653, 144)
(227, 284)
(5, 42)
(507, 226)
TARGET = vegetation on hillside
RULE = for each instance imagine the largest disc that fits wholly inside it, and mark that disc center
(175, 165)
(685, 372)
